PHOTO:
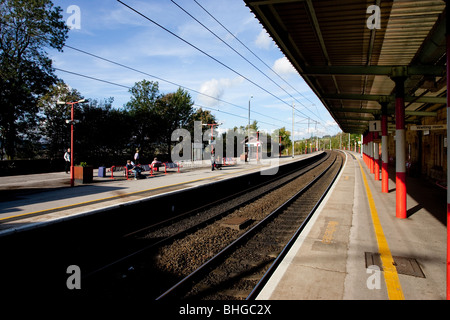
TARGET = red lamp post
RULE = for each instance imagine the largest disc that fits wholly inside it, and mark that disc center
(212, 131)
(71, 122)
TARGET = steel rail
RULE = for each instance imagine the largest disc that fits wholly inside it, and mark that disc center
(205, 267)
(230, 197)
(262, 282)
(296, 174)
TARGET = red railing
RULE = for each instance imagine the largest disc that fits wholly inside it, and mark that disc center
(171, 165)
(167, 165)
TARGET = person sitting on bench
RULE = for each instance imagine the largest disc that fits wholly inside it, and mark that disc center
(156, 164)
(135, 169)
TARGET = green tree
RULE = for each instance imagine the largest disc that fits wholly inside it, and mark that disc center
(102, 134)
(27, 29)
(253, 127)
(141, 109)
(174, 110)
(155, 116)
(54, 129)
(204, 116)
(286, 142)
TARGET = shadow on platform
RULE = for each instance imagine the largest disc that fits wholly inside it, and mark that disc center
(428, 195)
(19, 197)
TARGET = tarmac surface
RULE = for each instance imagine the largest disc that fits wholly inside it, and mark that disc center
(353, 248)
(337, 256)
(29, 200)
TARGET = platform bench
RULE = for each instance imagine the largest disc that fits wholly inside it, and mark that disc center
(171, 165)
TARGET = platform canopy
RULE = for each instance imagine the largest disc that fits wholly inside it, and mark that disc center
(349, 65)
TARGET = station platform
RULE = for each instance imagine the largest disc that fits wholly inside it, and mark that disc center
(349, 247)
(29, 201)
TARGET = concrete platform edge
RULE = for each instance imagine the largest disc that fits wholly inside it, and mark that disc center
(268, 290)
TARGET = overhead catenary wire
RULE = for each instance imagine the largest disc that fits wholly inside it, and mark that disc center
(195, 104)
(237, 52)
(92, 78)
(234, 115)
(167, 81)
(262, 61)
(127, 87)
(204, 52)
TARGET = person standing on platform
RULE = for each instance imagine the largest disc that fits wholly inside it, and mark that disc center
(213, 161)
(67, 160)
(136, 156)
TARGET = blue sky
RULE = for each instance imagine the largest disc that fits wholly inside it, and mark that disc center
(110, 30)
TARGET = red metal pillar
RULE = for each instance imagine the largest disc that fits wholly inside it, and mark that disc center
(257, 146)
(364, 146)
(72, 121)
(279, 146)
(384, 149)
(367, 151)
(72, 168)
(361, 146)
(363, 155)
(371, 153)
(376, 158)
(400, 151)
(448, 153)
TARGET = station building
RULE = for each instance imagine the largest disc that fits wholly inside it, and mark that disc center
(380, 68)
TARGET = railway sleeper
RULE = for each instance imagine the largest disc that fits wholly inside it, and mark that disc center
(266, 244)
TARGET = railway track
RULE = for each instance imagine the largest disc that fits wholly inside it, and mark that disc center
(188, 247)
(240, 270)
(138, 241)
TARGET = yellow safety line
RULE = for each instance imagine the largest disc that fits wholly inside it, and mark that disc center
(118, 196)
(394, 288)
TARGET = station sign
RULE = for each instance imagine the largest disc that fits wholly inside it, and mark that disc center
(428, 127)
(375, 126)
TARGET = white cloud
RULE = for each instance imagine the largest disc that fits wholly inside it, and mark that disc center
(263, 41)
(282, 66)
(119, 16)
(214, 89)
(117, 33)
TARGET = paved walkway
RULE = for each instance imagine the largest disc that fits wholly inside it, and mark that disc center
(334, 258)
(39, 198)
